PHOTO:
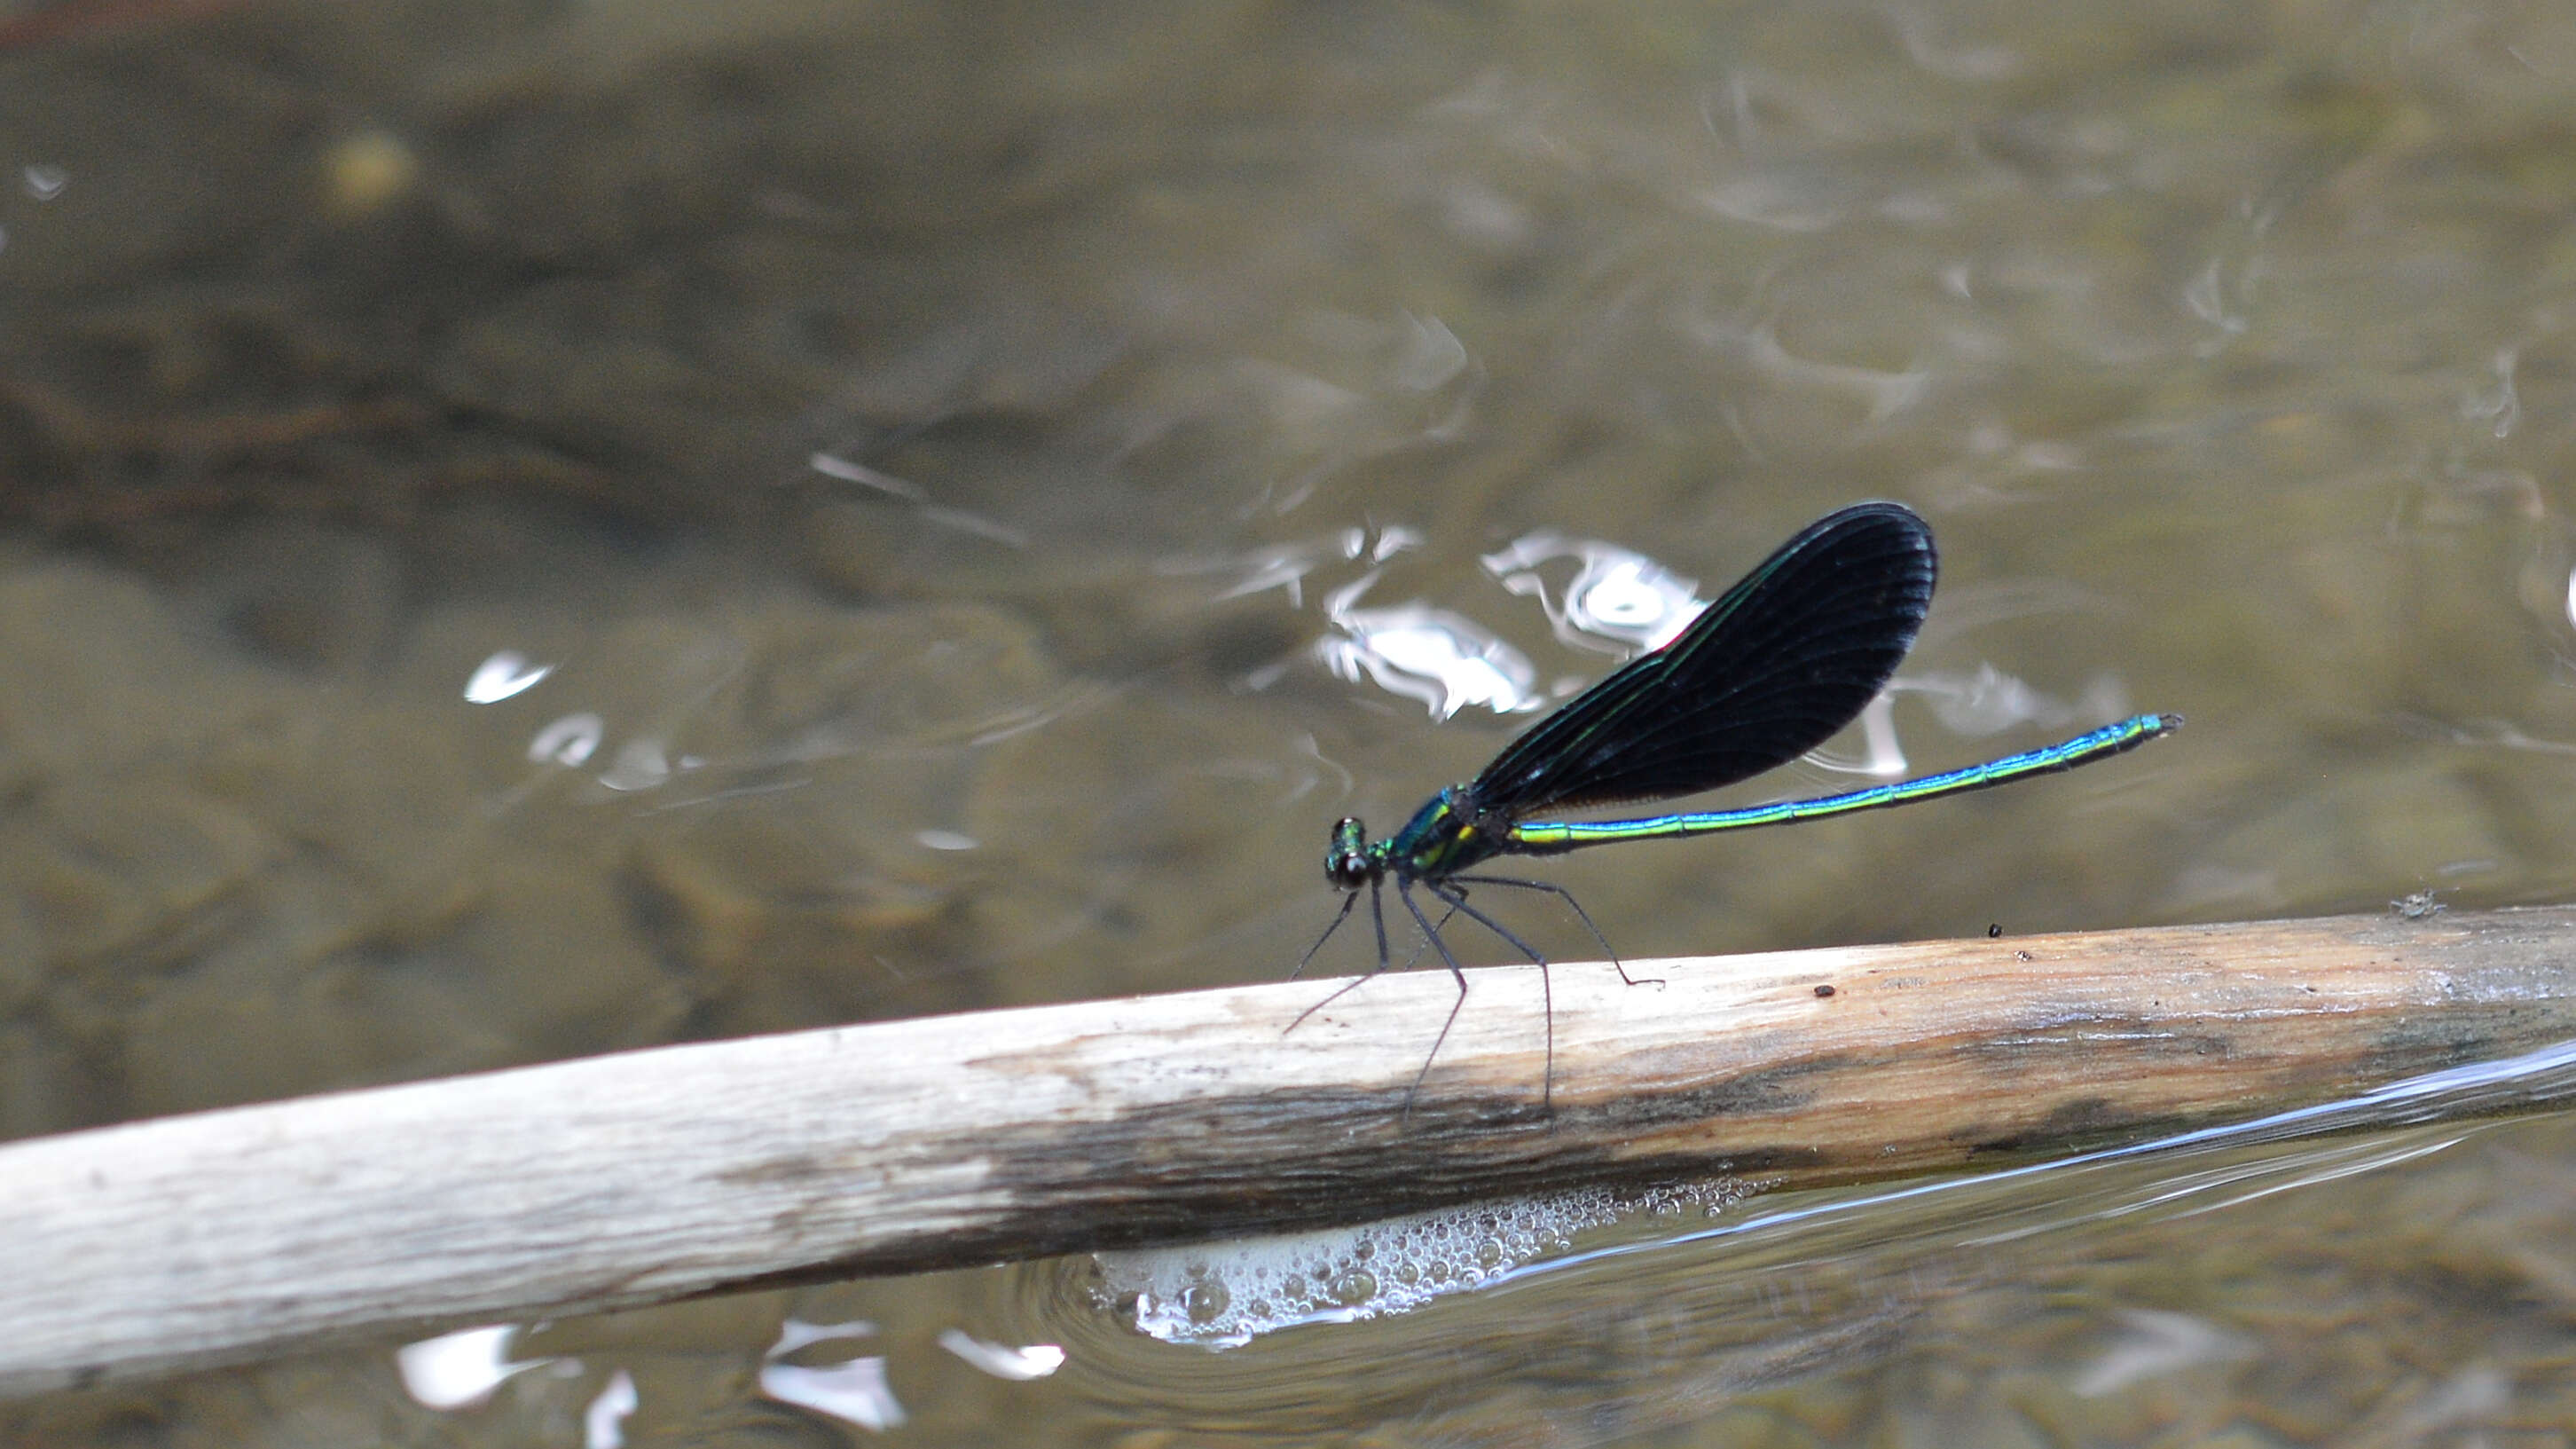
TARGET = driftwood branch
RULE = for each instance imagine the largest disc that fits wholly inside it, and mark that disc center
(911, 1145)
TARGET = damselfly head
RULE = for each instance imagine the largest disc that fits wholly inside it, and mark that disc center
(1348, 865)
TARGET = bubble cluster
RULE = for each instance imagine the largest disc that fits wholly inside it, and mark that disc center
(1221, 1295)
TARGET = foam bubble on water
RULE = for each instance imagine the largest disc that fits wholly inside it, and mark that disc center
(1221, 1295)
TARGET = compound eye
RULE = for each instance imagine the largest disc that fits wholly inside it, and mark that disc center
(1346, 858)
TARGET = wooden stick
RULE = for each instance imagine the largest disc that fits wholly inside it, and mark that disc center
(903, 1146)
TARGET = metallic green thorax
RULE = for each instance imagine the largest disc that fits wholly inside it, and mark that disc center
(1444, 837)
(1440, 840)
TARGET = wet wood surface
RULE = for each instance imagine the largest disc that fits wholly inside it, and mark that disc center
(904, 1146)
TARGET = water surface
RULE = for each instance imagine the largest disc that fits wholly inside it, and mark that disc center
(532, 529)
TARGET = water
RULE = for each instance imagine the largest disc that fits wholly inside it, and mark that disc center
(985, 489)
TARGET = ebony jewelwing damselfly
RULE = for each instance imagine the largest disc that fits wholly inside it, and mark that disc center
(1774, 668)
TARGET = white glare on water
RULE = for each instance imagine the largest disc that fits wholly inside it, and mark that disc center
(603, 1424)
(1615, 595)
(505, 674)
(1445, 660)
(853, 1390)
(458, 1370)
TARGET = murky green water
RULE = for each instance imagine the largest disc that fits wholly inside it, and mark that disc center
(930, 449)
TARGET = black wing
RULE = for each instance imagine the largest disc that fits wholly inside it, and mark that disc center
(1770, 671)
